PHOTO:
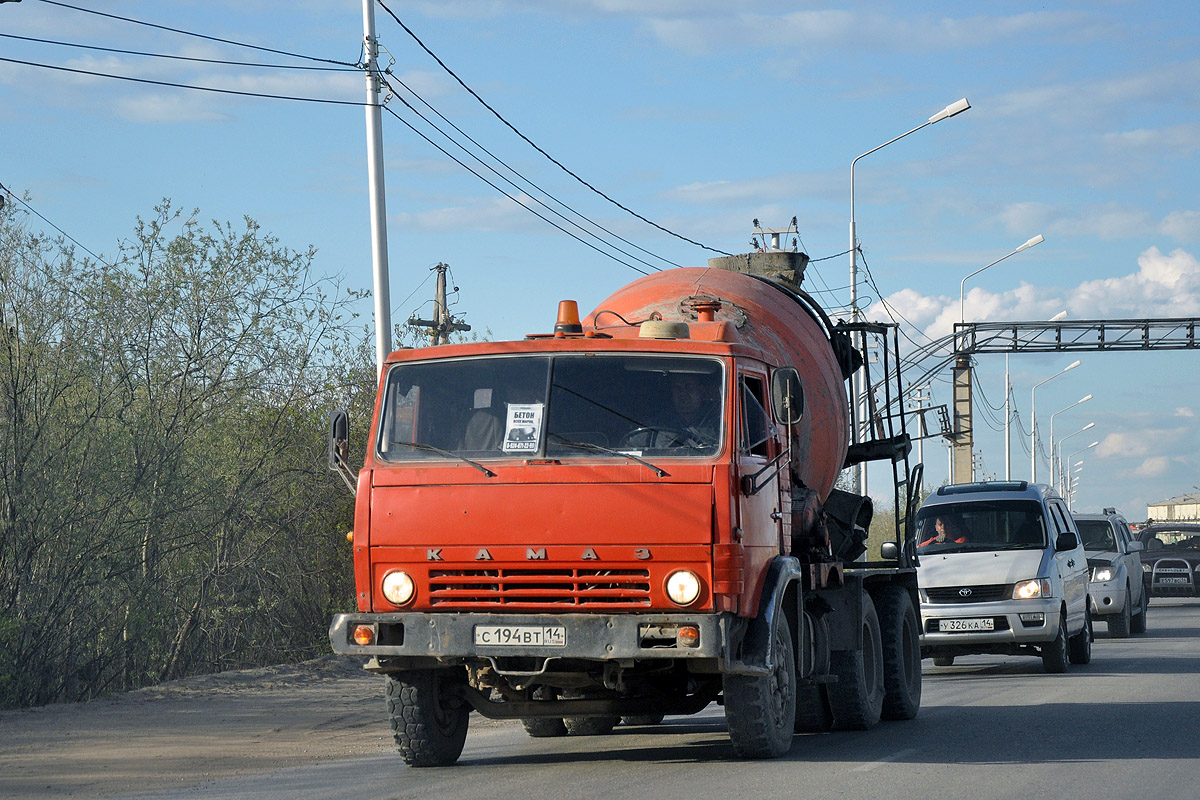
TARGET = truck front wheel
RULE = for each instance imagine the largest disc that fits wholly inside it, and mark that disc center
(856, 700)
(429, 721)
(760, 710)
(901, 639)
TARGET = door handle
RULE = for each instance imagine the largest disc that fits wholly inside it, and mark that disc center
(776, 515)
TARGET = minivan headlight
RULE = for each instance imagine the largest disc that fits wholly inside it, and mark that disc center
(1029, 590)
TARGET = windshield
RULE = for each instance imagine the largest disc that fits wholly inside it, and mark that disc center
(566, 406)
(1097, 534)
(981, 525)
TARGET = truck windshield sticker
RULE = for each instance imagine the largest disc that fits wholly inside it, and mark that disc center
(522, 431)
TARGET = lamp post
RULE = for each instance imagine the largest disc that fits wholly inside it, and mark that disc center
(1033, 419)
(1053, 460)
(1061, 477)
(1008, 409)
(962, 286)
(858, 419)
(1071, 494)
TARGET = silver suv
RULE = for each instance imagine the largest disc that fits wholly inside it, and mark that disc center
(1116, 590)
(1002, 570)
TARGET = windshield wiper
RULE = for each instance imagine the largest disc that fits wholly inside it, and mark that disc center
(554, 437)
(432, 449)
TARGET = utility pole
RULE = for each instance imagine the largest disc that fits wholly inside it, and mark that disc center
(379, 253)
(442, 324)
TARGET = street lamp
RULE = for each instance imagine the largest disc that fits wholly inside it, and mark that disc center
(1008, 413)
(1053, 461)
(1089, 426)
(1033, 419)
(961, 296)
(859, 419)
(1071, 494)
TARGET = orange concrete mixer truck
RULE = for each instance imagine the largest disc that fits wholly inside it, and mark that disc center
(635, 515)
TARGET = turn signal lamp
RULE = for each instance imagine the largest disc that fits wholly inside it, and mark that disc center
(363, 635)
(350, 536)
(689, 636)
(568, 318)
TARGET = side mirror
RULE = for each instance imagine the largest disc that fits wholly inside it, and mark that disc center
(339, 438)
(787, 396)
(1136, 547)
(1066, 541)
(890, 551)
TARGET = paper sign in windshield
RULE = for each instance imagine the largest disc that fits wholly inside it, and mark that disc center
(522, 431)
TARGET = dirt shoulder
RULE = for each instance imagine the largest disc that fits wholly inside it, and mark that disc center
(195, 730)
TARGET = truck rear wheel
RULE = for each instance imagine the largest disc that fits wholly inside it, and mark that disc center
(760, 710)
(544, 727)
(590, 726)
(812, 710)
(429, 722)
(901, 640)
(856, 700)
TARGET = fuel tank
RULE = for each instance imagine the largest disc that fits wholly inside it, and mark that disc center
(719, 304)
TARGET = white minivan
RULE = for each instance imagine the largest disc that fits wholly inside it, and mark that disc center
(1002, 570)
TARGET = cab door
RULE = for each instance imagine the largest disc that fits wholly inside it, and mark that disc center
(758, 459)
(1072, 568)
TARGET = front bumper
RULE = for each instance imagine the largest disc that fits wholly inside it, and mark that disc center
(1040, 625)
(409, 640)
(1173, 578)
(1108, 597)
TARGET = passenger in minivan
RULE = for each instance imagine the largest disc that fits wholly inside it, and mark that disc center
(946, 530)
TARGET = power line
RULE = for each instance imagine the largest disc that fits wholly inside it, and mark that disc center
(531, 143)
(195, 59)
(519, 175)
(533, 211)
(182, 85)
(39, 215)
(198, 35)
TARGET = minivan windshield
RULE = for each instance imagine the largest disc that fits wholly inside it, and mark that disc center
(567, 406)
(981, 525)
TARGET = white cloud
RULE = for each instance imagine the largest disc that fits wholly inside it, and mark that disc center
(1154, 467)
(1185, 412)
(1165, 285)
(1182, 226)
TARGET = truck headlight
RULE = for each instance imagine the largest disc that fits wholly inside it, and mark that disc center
(1028, 590)
(1147, 568)
(1103, 574)
(398, 587)
(683, 587)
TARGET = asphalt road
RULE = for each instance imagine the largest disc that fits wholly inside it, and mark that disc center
(1127, 725)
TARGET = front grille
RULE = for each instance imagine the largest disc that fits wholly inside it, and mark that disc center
(533, 589)
(969, 594)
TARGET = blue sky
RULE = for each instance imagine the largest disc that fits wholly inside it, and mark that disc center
(701, 116)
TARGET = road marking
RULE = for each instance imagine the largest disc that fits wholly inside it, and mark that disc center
(893, 757)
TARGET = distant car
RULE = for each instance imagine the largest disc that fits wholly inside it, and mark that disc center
(1002, 570)
(1171, 558)
(1116, 590)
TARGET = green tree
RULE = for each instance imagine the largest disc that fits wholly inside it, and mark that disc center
(164, 502)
